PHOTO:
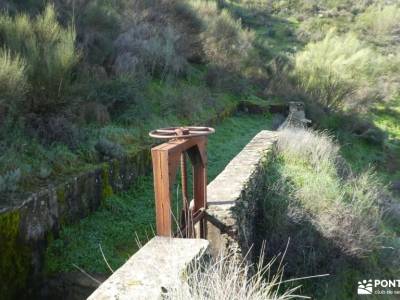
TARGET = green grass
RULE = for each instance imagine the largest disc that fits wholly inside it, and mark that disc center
(385, 159)
(125, 217)
(335, 222)
(160, 104)
(387, 117)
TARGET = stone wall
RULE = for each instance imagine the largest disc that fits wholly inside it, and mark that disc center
(26, 229)
(233, 198)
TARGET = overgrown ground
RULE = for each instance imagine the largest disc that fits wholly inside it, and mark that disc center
(304, 45)
(106, 72)
(341, 59)
(338, 222)
(127, 220)
(84, 82)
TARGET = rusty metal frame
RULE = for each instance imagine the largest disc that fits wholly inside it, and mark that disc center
(167, 158)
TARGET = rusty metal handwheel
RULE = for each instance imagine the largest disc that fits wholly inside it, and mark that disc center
(181, 132)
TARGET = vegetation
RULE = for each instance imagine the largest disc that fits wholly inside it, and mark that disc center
(78, 76)
(338, 69)
(45, 55)
(329, 213)
(82, 82)
(226, 277)
(126, 221)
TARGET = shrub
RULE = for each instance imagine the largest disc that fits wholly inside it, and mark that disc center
(116, 94)
(108, 149)
(154, 48)
(380, 23)
(226, 43)
(93, 112)
(9, 181)
(48, 50)
(53, 129)
(13, 81)
(227, 277)
(346, 210)
(336, 69)
(182, 100)
(98, 23)
(205, 9)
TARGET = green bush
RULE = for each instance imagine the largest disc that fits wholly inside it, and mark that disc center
(337, 68)
(205, 9)
(98, 22)
(149, 47)
(226, 44)
(338, 222)
(48, 50)
(9, 181)
(380, 23)
(116, 94)
(13, 81)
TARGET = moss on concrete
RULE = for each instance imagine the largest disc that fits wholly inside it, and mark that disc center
(107, 189)
(14, 257)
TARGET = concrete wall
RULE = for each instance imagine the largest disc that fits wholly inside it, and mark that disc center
(153, 270)
(234, 195)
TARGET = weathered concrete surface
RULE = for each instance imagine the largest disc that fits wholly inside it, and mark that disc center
(154, 269)
(233, 197)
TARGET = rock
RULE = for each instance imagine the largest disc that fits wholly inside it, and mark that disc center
(296, 117)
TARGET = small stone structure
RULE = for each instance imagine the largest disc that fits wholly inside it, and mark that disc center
(296, 117)
(153, 270)
(232, 206)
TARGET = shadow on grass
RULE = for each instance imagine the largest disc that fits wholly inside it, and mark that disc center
(309, 253)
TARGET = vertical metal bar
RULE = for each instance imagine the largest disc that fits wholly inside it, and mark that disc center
(162, 192)
(200, 183)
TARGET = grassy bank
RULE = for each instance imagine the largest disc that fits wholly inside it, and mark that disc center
(128, 219)
(339, 222)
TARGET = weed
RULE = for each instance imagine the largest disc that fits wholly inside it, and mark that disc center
(48, 52)
(227, 277)
(335, 217)
(13, 81)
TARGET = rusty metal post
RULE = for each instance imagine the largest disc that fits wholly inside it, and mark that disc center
(167, 158)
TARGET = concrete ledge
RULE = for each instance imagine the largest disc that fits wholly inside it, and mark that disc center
(159, 265)
(233, 197)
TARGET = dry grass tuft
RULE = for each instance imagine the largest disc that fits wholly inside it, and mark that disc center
(226, 278)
